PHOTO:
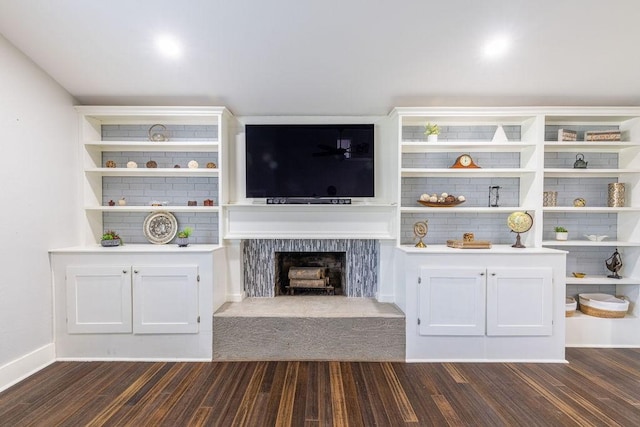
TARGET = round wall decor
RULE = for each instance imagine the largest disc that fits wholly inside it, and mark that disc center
(160, 227)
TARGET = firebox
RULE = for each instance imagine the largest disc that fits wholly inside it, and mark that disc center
(309, 273)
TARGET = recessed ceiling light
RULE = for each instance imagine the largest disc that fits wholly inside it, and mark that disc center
(496, 47)
(168, 46)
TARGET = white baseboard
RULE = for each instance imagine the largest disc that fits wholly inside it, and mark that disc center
(236, 297)
(19, 369)
(386, 298)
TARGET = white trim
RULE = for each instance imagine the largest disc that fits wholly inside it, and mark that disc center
(486, 361)
(27, 365)
(134, 359)
(236, 297)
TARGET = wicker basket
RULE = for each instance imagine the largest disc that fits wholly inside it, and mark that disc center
(570, 306)
(606, 306)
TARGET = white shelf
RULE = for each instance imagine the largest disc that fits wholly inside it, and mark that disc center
(463, 209)
(152, 171)
(586, 173)
(470, 146)
(604, 243)
(588, 146)
(176, 146)
(589, 209)
(460, 173)
(601, 280)
(198, 209)
(581, 317)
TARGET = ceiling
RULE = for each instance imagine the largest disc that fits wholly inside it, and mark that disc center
(333, 57)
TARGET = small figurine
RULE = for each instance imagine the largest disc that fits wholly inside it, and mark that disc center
(112, 203)
(152, 164)
(193, 164)
(111, 164)
(211, 165)
(614, 264)
(132, 165)
(122, 202)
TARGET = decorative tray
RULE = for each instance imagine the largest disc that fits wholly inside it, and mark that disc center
(440, 205)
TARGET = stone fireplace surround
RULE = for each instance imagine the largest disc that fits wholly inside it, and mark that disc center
(361, 276)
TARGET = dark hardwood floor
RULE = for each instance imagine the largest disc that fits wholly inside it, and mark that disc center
(598, 387)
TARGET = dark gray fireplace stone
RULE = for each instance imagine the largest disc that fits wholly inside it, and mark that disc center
(361, 276)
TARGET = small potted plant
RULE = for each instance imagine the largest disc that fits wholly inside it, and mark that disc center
(561, 233)
(183, 236)
(110, 238)
(432, 131)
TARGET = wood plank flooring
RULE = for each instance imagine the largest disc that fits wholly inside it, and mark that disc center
(599, 387)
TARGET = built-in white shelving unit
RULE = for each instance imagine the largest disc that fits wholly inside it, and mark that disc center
(188, 120)
(539, 162)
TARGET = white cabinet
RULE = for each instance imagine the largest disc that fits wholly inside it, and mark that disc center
(98, 299)
(137, 302)
(519, 301)
(492, 301)
(138, 299)
(165, 299)
(451, 302)
(498, 304)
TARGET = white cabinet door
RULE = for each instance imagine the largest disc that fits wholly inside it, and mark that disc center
(519, 301)
(165, 299)
(451, 301)
(98, 299)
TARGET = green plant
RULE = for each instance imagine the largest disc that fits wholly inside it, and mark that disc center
(431, 129)
(185, 232)
(110, 235)
(560, 230)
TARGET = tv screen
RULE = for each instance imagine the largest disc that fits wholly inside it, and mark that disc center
(309, 161)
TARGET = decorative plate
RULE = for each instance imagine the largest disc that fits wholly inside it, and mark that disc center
(160, 227)
(520, 222)
(440, 205)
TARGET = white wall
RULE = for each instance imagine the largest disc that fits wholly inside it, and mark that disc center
(38, 200)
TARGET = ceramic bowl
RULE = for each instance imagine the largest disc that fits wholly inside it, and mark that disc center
(596, 237)
(579, 275)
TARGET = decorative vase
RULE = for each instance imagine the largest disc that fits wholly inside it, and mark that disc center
(432, 138)
(562, 235)
(182, 241)
(616, 195)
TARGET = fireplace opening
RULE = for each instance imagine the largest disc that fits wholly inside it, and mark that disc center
(309, 273)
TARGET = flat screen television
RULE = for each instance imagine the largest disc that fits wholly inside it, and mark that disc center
(310, 161)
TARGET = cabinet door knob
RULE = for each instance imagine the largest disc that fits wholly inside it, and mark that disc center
(135, 271)
(482, 274)
(124, 271)
(493, 274)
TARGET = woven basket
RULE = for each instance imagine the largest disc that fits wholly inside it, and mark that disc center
(570, 306)
(599, 312)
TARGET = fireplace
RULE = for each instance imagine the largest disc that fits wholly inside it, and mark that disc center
(359, 276)
(309, 273)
